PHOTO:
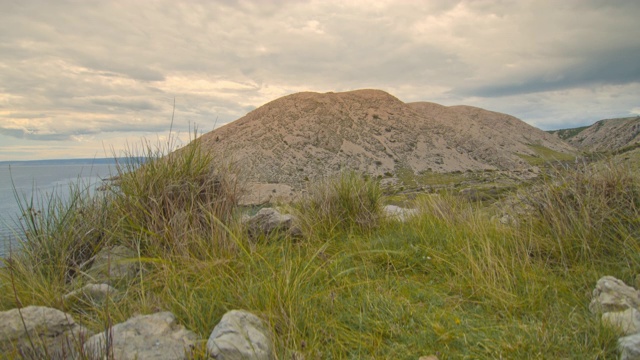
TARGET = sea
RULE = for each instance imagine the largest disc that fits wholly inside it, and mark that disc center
(39, 180)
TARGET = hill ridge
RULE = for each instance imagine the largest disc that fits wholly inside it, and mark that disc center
(603, 135)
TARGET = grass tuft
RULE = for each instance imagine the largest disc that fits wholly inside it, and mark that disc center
(591, 213)
(349, 201)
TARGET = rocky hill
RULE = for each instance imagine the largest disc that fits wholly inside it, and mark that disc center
(604, 135)
(306, 136)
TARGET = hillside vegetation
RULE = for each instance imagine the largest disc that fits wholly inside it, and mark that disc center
(451, 281)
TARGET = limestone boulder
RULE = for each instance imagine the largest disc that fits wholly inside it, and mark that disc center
(268, 221)
(157, 336)
(240, 335)
(39, 330)
(611, 294)
(398, 213)
(629, 347)
(627, 322)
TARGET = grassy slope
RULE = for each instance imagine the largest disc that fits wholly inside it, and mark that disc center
(451, 281)
(545, 155)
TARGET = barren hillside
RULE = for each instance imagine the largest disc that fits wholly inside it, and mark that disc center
(604, 135)
(306, 136)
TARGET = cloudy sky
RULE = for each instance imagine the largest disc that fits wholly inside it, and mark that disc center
(85, 78)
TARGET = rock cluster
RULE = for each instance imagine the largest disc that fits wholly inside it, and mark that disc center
(43, 332)
(618, 304)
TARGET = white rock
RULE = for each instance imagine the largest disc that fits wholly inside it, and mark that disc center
(612, 294)
(629, 347)
(399, 213)
(240, 335)
(48, 328)
(157, 336)
(627, 322)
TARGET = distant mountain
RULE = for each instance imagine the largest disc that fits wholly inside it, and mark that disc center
(604, 135)
(306, 136)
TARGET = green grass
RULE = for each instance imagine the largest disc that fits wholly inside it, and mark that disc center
(544, 155)
(451, 281)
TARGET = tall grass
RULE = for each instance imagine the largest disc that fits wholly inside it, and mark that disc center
(167, 201)
(349, 201)
(591, 213)
(58, 234)
(160, 205)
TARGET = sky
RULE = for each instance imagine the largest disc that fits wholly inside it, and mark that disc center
(90, 78)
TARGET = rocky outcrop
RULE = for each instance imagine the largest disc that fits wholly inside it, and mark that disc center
(39, 331)
(156, 336)
(240, 335)
(618, 303)
(269, 221)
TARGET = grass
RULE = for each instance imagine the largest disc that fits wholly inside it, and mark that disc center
(544, 155)
(451, 281)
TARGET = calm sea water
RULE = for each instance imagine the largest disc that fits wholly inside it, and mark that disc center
(40, 179)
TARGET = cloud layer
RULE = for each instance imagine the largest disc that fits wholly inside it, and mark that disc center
(80, 75)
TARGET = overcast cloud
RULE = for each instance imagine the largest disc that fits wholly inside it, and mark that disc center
(83, 78)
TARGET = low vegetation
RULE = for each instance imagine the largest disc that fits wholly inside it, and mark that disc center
(544, 155)
(451, 281)
(565, 134)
